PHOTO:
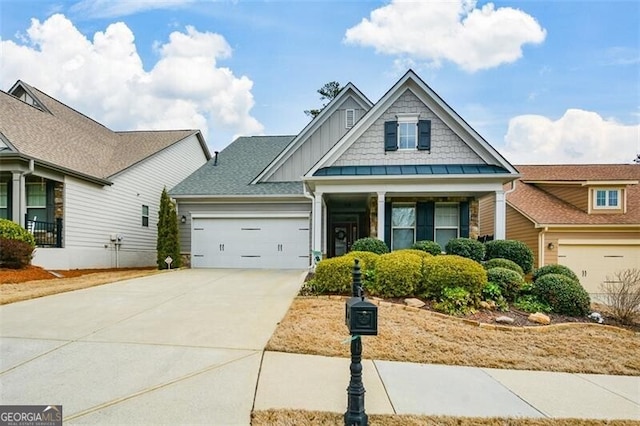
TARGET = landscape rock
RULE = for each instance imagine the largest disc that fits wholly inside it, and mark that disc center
(540, 318)
(505, 320)
(485, 305)
(414, 303)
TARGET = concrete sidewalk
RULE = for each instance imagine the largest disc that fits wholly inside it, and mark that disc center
(309, 382)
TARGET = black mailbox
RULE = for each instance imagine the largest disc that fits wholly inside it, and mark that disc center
(361, 317)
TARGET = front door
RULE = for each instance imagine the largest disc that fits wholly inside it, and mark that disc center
(343, 234)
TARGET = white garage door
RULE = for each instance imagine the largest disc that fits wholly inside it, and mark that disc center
(593, 263)
(250, 242)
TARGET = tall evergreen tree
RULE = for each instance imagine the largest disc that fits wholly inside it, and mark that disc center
(168, 243)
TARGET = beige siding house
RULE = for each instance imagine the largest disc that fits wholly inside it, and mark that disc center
(88, 194)
(586, 217)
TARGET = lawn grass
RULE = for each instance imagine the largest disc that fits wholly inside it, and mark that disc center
(315, 325)
(298, 417)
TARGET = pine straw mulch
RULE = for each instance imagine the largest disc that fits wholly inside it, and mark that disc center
(315, 325)
(31, 282)
(299, 417)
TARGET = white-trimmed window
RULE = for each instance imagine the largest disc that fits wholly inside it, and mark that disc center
(407, 131)
(4, 200)
(403, 225)
(145, 216)
(350, 118)
(36, 201)
(447, 221)
(606, 198)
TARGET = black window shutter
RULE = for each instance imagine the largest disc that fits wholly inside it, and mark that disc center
(51, 201)
(464, 219)
(10, 200)
(387, 223)
(421, 221)
(390, 135)
(424, 135)
(430, 210)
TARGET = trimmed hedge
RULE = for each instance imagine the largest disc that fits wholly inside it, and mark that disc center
(397, 274)
(510, 282)
(513, 250)
(422, 254)
(15, 254)
(13, 231)
(466, 247)
(373, 245)
(428, 246)
(555, 269)
(440, 272)
(368, 262)
(503, 263)
(333, 275)
(564, 295)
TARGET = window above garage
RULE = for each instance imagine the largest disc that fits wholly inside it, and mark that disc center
(607, 200)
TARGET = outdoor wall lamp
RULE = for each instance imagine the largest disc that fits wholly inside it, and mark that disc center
(183, 219)
(551, 246)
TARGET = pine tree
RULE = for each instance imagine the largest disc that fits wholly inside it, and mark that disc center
(168, 243)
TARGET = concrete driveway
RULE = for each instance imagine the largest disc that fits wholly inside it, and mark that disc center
(182, 347)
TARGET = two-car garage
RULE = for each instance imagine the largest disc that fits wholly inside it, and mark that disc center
(260, 241)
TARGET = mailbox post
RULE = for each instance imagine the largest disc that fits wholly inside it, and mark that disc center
(361, 317)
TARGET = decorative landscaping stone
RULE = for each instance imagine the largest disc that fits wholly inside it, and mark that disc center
(505, 320)
(484, 305)
(540, 318)
(415, 303)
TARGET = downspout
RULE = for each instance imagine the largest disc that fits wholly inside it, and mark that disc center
(513, 188)
(306, 193)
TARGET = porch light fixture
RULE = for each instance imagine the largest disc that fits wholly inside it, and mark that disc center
(183, 219)
(551, 246)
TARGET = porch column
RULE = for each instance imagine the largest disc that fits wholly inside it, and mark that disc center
(17, 198)
(317, 222)
(381, 218)
(499, 232)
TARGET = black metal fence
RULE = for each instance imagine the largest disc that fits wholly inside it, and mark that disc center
(46, 234)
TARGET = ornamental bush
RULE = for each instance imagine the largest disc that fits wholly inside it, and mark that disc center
(455, 301)
(513, 250)
(428, 246)
(466, 247)
(564, 295)
(373, 245)
(367, 266)
(333, 275)
(13, 231)
(440, 272)
(15, 254)
(554, 269)
(397, 274)
(423, 254)
(510, 282)
(503, 263)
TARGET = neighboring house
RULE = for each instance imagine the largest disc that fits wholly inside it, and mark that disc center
(407, 168)
(586, 217)
(88, 194)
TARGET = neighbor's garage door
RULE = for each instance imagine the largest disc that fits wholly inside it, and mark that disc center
(593, 263)
(256, 242)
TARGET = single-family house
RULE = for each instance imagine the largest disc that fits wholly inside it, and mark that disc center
(404, 169)
(89, 195)
(586, 217)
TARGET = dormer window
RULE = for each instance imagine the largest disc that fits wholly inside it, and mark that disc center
(606, 198)
(407, 133)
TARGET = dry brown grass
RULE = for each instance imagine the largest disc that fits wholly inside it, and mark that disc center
(297, 417)
(13, 292)
(316, 326)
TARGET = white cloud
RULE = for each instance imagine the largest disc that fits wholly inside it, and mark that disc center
(578, 137)
(456, 31)
(113, 8)
(105, 79)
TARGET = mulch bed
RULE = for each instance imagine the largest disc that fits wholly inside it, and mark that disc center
(36, 273)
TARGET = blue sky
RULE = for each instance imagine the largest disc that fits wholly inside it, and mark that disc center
(542, 81)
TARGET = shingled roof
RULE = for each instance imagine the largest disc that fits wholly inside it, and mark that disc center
(236, 167)
(61, 137)
(546, 209)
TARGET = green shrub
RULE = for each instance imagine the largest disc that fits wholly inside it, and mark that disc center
(513, 250)
(397, 274)
(422, 254)
(530, 303)
(510, 282)
(428, 246)
(491, 291)
(440, 272)
(373, 245)
(564, 295)
(15, 254)
(503, 263)
(466, 247)
(333, 275)
(367, 265)
(554, 269)
(455, 301)
(13, 231)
